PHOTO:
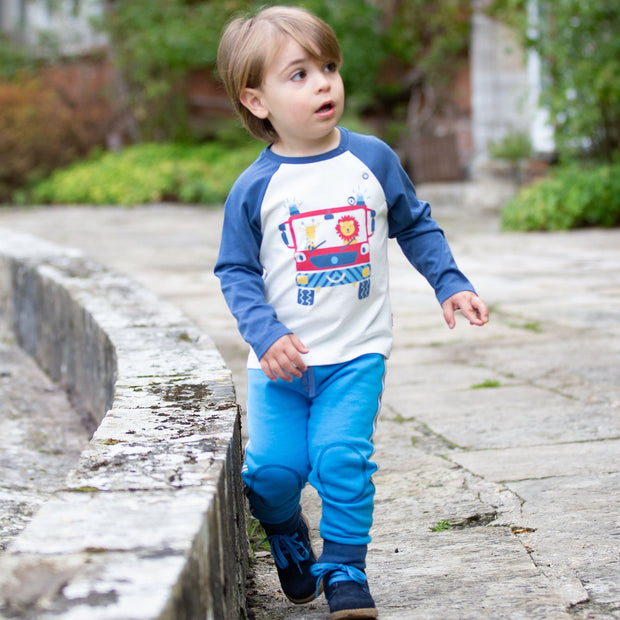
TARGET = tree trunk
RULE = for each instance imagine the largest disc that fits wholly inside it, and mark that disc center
(126, 122)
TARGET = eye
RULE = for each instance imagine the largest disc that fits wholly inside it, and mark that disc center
(331, 67)
(298, 75)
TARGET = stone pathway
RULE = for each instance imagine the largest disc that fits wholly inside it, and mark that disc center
(498, 492)
(42, 438)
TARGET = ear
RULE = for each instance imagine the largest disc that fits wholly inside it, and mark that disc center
(251, 98)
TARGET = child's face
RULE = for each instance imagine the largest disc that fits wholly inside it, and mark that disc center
(302, 98)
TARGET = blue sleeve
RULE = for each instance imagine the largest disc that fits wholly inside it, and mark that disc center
(239, 269)
(410, 222)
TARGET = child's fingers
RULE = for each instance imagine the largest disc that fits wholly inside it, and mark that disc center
(299, 348)
(448, 314)
(280, 368)
(478, 313)
(267, 370)
(275, 369)
(283, 360)
(471, 306)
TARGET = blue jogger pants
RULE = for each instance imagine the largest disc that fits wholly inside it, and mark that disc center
(317, 429)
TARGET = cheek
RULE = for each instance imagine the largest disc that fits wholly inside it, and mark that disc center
(339, 85)
(298, 107)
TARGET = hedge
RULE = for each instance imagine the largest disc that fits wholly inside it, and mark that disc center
(574, 196)
(148, 173)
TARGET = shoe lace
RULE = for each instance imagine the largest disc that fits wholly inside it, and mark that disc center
(336, 572)
(287, 544)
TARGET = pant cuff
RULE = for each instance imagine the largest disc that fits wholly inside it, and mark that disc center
(286, 527)
(337, 553)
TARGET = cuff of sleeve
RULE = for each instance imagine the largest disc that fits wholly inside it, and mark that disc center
(260, 348)
(444, 294)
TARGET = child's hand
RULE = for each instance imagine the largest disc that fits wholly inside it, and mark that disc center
(282, 359)
(472, 307)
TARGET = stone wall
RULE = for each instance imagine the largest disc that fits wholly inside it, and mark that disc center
(151, 522)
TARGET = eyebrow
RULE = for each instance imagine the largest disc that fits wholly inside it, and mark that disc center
(297, 61)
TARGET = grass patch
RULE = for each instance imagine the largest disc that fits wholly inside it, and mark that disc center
(400, 419)
(441, 526)
(532, 326)
(257, 536)
(488, 383)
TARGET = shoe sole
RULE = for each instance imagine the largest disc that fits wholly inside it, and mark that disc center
(344, 614)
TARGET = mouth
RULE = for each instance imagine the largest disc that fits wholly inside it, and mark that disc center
(326, 108)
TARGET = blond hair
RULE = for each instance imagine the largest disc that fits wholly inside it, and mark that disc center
(249, 44)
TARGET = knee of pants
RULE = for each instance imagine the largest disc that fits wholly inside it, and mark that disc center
(273, 486)
(342, 472)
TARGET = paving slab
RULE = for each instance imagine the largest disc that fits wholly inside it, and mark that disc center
(497, 493)
(42, 438)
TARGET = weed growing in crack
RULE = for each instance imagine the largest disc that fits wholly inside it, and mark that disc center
(488, 383)
(441, 526)
(400, 419)
(531, 326)
(257, 536)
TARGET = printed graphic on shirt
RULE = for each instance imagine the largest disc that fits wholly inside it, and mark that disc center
(331, 248)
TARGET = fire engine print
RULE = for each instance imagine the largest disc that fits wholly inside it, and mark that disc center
(331, 248)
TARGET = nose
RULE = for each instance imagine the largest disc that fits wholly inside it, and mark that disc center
(322, 82)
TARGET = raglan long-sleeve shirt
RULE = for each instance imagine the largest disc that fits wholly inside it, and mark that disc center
(304, 249)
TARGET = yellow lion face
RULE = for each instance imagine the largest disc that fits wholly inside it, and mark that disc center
(347, 228)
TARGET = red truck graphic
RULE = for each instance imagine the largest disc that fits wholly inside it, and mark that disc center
(331, 248)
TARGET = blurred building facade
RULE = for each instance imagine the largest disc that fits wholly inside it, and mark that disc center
(505, 89)
(62, 20)
(495, 94)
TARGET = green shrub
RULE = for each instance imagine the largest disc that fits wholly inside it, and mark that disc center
(148, 173)
(515, 146)
(575, 196)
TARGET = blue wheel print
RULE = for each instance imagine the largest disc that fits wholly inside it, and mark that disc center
(305, 296)
(364, 289)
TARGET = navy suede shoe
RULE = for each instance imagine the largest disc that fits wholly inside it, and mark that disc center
(346, 590)
(293, 556)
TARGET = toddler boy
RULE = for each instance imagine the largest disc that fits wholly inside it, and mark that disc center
(303, 267)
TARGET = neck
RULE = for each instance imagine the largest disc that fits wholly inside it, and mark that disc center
(307, 149)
